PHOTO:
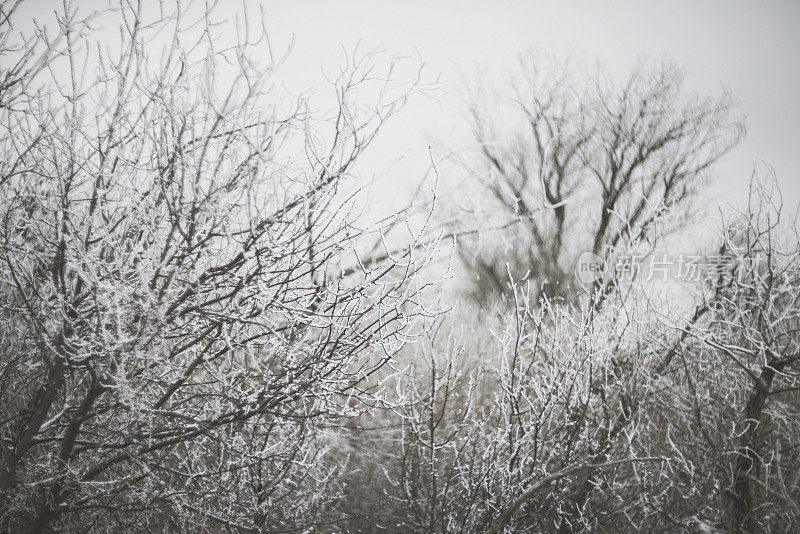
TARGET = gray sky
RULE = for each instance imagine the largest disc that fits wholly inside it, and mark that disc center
(749, 47)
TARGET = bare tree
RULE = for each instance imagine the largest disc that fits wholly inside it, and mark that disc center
(712, 390)
(183, 299)
(574, 163)
(749, 343)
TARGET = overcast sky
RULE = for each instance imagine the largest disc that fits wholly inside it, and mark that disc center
(751, 48)
(748, 47)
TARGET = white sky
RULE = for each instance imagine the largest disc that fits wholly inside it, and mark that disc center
(749, 47)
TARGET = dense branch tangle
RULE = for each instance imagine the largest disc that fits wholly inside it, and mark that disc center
(172, 298)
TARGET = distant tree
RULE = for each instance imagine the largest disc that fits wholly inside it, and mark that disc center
(182, 296)
(571, 163)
